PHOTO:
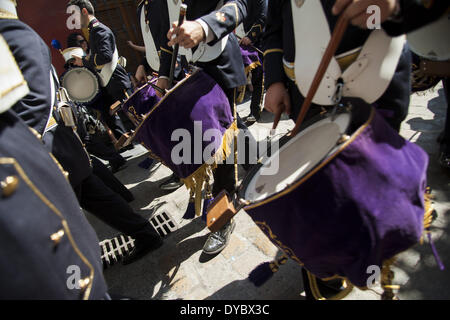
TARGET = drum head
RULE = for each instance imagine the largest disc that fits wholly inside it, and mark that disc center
(297, 157)
(431, 41)
(81, 84)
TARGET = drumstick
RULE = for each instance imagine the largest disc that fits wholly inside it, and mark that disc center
(183, 9)
(240, 39)
(154, 86)
(335, 40)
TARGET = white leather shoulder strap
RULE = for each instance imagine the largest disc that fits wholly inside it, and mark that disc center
(370, 75)
(151, 52)
(108, 69)
(13, 86)
(309, 49)
(367, 78)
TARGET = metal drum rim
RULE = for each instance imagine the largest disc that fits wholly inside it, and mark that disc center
(74, 69)
(283, 140)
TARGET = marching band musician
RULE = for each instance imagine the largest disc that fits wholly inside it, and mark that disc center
(149, 21)
(210, 22)
(32, 55)
(152, 27)
(282, 83)
(44, 234)
(104, 59)
(95, 144)
(63, 142)
(253, 27)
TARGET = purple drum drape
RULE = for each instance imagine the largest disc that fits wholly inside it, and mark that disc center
(249, 55)
(197, 99)
(361, 208)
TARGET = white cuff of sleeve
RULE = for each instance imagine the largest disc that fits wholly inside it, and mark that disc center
(209, 35)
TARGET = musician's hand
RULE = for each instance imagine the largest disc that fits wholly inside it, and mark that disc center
(77, 61)
(163, 84)
(356, 10)
(188, 35)
(246, 41)
(141, 76)
(277, 99)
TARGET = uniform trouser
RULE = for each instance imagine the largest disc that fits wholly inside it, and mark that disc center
(224, 175)
(258, 90)
(118, 123)
(102, 149)
(446, 136)
(95, 197)
(108, 178)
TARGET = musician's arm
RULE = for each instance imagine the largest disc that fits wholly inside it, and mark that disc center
(33, 59)
(225, 20)
(165, 61)
(414, 14)
(160, 38)
(273, 45)
(104, 46)
(258, 25)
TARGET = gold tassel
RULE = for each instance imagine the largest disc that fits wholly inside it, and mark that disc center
(251, 67)
(195, 182)
(429, 210)
(387, 276)
(241, 96)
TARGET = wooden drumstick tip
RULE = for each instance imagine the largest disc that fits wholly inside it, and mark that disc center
(183, 9)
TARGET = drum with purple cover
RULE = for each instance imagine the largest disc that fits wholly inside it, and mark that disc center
(189, 130)
(348, 194)
(251, 58)
(141, 102)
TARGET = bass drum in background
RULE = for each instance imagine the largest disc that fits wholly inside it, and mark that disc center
(81, 84)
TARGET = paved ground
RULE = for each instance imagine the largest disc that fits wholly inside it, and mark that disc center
(179, 270)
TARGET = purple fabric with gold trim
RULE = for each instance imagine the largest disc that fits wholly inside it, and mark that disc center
(363, 207)
(249, 55)
(197, 98)
(141, 102)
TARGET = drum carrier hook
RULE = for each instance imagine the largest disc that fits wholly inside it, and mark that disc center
(337, 97)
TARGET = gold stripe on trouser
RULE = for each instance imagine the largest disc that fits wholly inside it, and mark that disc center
(236, 175)
(344, 62)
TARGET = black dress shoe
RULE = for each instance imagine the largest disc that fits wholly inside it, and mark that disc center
(217, 241)
(141, 249)
(324, 289)
(172, 184)
(251, 119)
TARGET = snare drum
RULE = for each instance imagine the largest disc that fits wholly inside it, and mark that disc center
(349, 193)
(189, 130)
(81, 84)
(140, 103)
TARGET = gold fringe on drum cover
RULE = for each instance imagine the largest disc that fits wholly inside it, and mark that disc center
(196, 181)
(243, 88)
(264, 271)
